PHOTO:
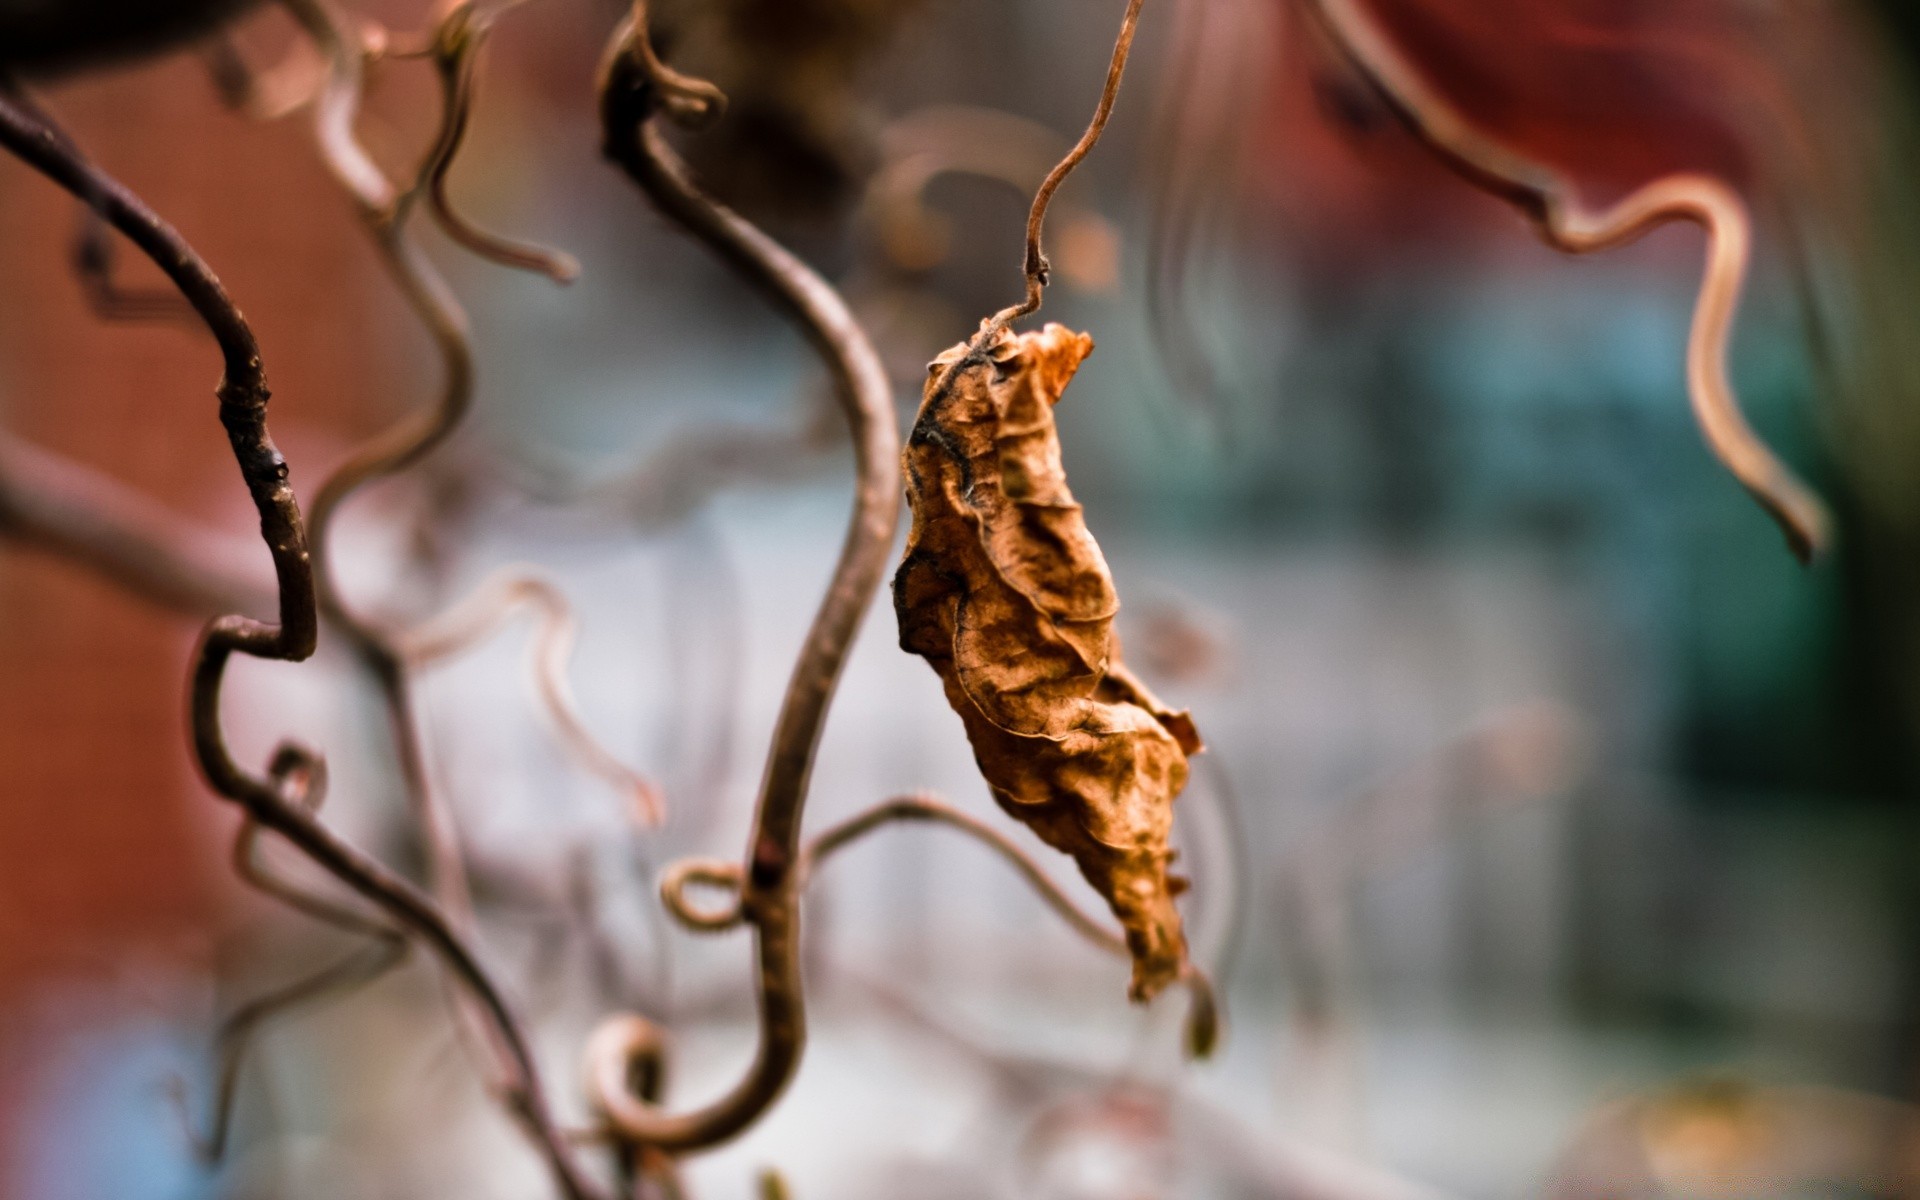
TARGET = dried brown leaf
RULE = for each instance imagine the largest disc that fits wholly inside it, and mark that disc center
(1004, 591)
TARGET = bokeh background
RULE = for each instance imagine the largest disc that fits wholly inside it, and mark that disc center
(1556, 832)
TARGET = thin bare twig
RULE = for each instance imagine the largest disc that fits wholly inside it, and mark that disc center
(262, 93)
(948, 139)
(928, 809)
(457, 43)
(635, 89)
(1203, 1014)
(302, 778)
(384, 210)
(1035, 263)
(86, 517)
(32, 136)
(1551, 202)
(476, 618)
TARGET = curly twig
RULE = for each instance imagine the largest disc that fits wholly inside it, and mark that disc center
(475, 619)
(635, 88)
(457, 43)
(1035, 263)
(1203, 1016)
(926, 808)
(302, 778)
(384, 210)
(1550, 202)
(243, 398)
(948, 139)
(31, 136)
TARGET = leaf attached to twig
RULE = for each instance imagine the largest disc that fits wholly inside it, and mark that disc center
(1004, 591)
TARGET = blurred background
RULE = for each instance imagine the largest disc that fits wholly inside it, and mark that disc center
(1556, 831)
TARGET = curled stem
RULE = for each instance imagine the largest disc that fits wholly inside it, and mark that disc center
(31, 136)
(456, 47)
(302, 778)
(948, 139)
(480, 615)
(1551, 203)
(927, 809)
(1034, 263)
(718, 873)
(635, 88)
(384, 210)
(1203, 1016)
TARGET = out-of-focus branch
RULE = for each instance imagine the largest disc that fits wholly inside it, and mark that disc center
(951, 139)
(1553, 205)
(927, 809)
(457, 44)
(476, 619)
(68, 510)
(303, 781)
(384, 210)
(1203, 1013)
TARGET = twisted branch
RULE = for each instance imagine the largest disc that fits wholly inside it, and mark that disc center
(1549, 201)
(31, 136)
(635, 89)
(475, 619)
(456, 47)
(385, 210)
(303, 780)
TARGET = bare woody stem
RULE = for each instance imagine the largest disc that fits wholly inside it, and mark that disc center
(385, 211)
(1551, 203)
(302, 778)
(635, 89)
(928, 810)
(1203, 1017)
(243, 398)
(456, 55)
(242, 391)
(1203, 1012)
(1035, 265)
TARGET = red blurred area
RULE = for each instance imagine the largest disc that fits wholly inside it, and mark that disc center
(1611, 93)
